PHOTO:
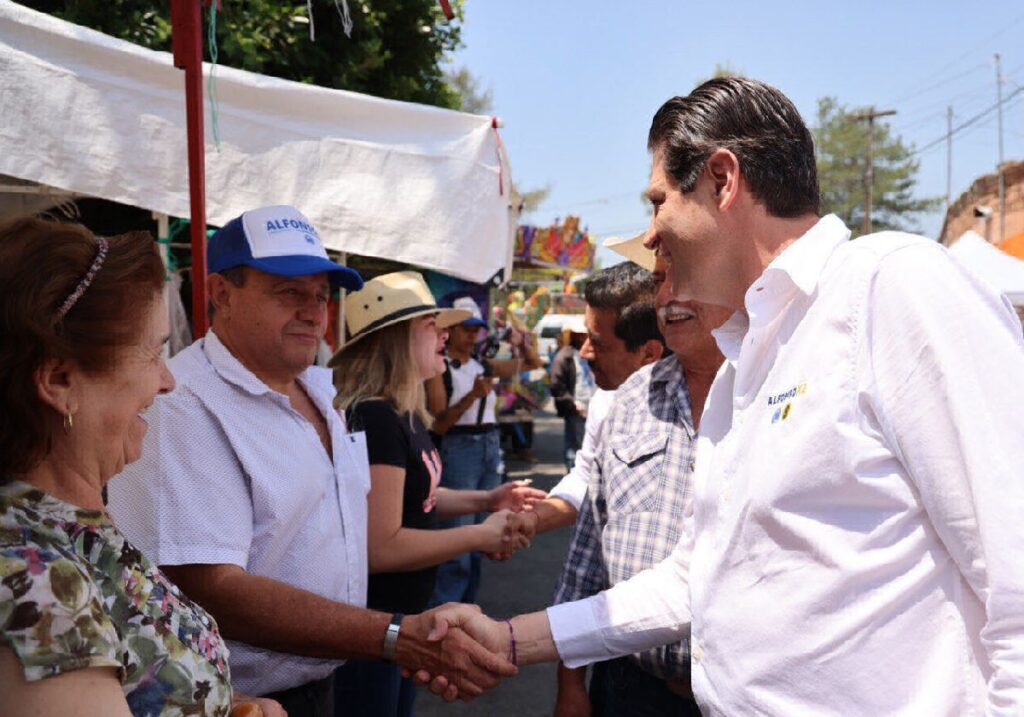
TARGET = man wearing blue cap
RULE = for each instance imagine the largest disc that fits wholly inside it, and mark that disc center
(251, 494)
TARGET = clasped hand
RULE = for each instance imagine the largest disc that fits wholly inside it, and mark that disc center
(516, 499)
(470, 654)
(453, 649)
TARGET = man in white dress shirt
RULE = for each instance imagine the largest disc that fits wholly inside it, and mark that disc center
(857, 528)
(251, 494)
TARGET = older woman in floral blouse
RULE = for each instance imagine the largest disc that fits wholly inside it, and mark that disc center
(89, 626)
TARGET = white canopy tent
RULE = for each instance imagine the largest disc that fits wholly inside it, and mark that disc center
(1002, 271)
(90, 115)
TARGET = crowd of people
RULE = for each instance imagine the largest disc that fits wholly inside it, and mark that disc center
(793, 467)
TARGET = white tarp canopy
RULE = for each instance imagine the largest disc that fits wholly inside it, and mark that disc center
(92, 115)
(1002, 271)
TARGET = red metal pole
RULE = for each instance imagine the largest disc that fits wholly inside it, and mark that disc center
(187, 44)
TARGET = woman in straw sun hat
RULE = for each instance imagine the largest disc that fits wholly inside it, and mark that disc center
(396, 341)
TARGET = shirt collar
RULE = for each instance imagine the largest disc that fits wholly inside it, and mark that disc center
(803, 261)
(230, 368)
(670, 372)
(796, 270)
(233, 371)
(729, 336)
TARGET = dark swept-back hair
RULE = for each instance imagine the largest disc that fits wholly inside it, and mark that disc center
(628, 290)
(754, 121)
(41, 264)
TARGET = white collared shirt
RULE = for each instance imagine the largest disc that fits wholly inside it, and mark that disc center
(856, 545)
(573, 487)
(231, 473)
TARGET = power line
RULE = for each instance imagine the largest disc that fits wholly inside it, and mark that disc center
(968, 123)
(571, 206)
(940, 83)
(982, 44)
(626, 231)
(963, 100)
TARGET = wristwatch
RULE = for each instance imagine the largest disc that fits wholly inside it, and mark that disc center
(391, 637)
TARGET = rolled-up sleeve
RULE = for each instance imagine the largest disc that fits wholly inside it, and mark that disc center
(943, 369)
(573, 487)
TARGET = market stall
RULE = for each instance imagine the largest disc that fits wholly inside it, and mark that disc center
(380, 178)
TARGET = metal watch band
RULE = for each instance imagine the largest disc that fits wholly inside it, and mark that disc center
(391, 636)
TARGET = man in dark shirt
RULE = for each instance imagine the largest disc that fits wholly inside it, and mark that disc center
(569, 373)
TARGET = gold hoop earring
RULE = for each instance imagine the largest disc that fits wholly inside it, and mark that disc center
(69, 423)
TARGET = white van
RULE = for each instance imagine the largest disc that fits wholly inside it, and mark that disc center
(549, 328)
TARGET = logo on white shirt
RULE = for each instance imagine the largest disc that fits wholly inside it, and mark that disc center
(784, 401)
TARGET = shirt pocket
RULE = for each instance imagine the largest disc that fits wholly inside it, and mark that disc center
(359, 460)
(635, 472)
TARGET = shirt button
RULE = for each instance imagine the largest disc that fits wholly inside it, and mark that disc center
(696, 653)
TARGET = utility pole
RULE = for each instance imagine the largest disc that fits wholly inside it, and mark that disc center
(949, 154)
(869, 173)
(999, 167)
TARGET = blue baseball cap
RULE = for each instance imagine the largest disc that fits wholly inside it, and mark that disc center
(278, 240)
(466, 303)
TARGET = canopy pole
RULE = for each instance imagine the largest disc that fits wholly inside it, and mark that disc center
(187, 44)
(163, 235)
(343, 260)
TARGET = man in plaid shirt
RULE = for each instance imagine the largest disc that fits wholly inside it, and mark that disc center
(632, 516)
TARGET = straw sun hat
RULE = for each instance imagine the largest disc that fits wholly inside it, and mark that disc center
(633, 249)
(389, 299)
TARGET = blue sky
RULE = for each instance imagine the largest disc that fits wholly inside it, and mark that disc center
(577, 83)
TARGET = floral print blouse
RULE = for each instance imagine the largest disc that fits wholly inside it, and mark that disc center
(74, 593)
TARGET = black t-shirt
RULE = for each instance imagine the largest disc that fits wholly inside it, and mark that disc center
(394, 440)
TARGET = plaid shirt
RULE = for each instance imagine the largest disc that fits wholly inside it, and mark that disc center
(640, 481)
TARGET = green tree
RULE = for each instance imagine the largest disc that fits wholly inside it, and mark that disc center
(722, 69)
(472, 98)
(396, 49)
(841, 145)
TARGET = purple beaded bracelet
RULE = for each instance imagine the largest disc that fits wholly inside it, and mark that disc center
(512, 657)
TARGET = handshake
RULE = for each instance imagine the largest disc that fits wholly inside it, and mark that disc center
(512, 524)
(460, 653)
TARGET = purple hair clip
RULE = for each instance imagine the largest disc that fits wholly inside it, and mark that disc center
(97, 263)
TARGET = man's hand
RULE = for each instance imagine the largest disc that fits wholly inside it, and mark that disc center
(514, 495)
(456, 618)
(498, 539)
(573, 700)
(520, 528)
(437, 648)
(482, 387)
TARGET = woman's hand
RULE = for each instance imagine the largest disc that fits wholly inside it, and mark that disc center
(496, 537)
(515, 496)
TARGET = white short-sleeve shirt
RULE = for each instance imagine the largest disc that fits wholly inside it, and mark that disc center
(231, 473)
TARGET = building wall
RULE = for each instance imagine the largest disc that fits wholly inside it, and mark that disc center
(984, 192)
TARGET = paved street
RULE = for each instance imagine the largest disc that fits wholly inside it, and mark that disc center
(523, 584)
